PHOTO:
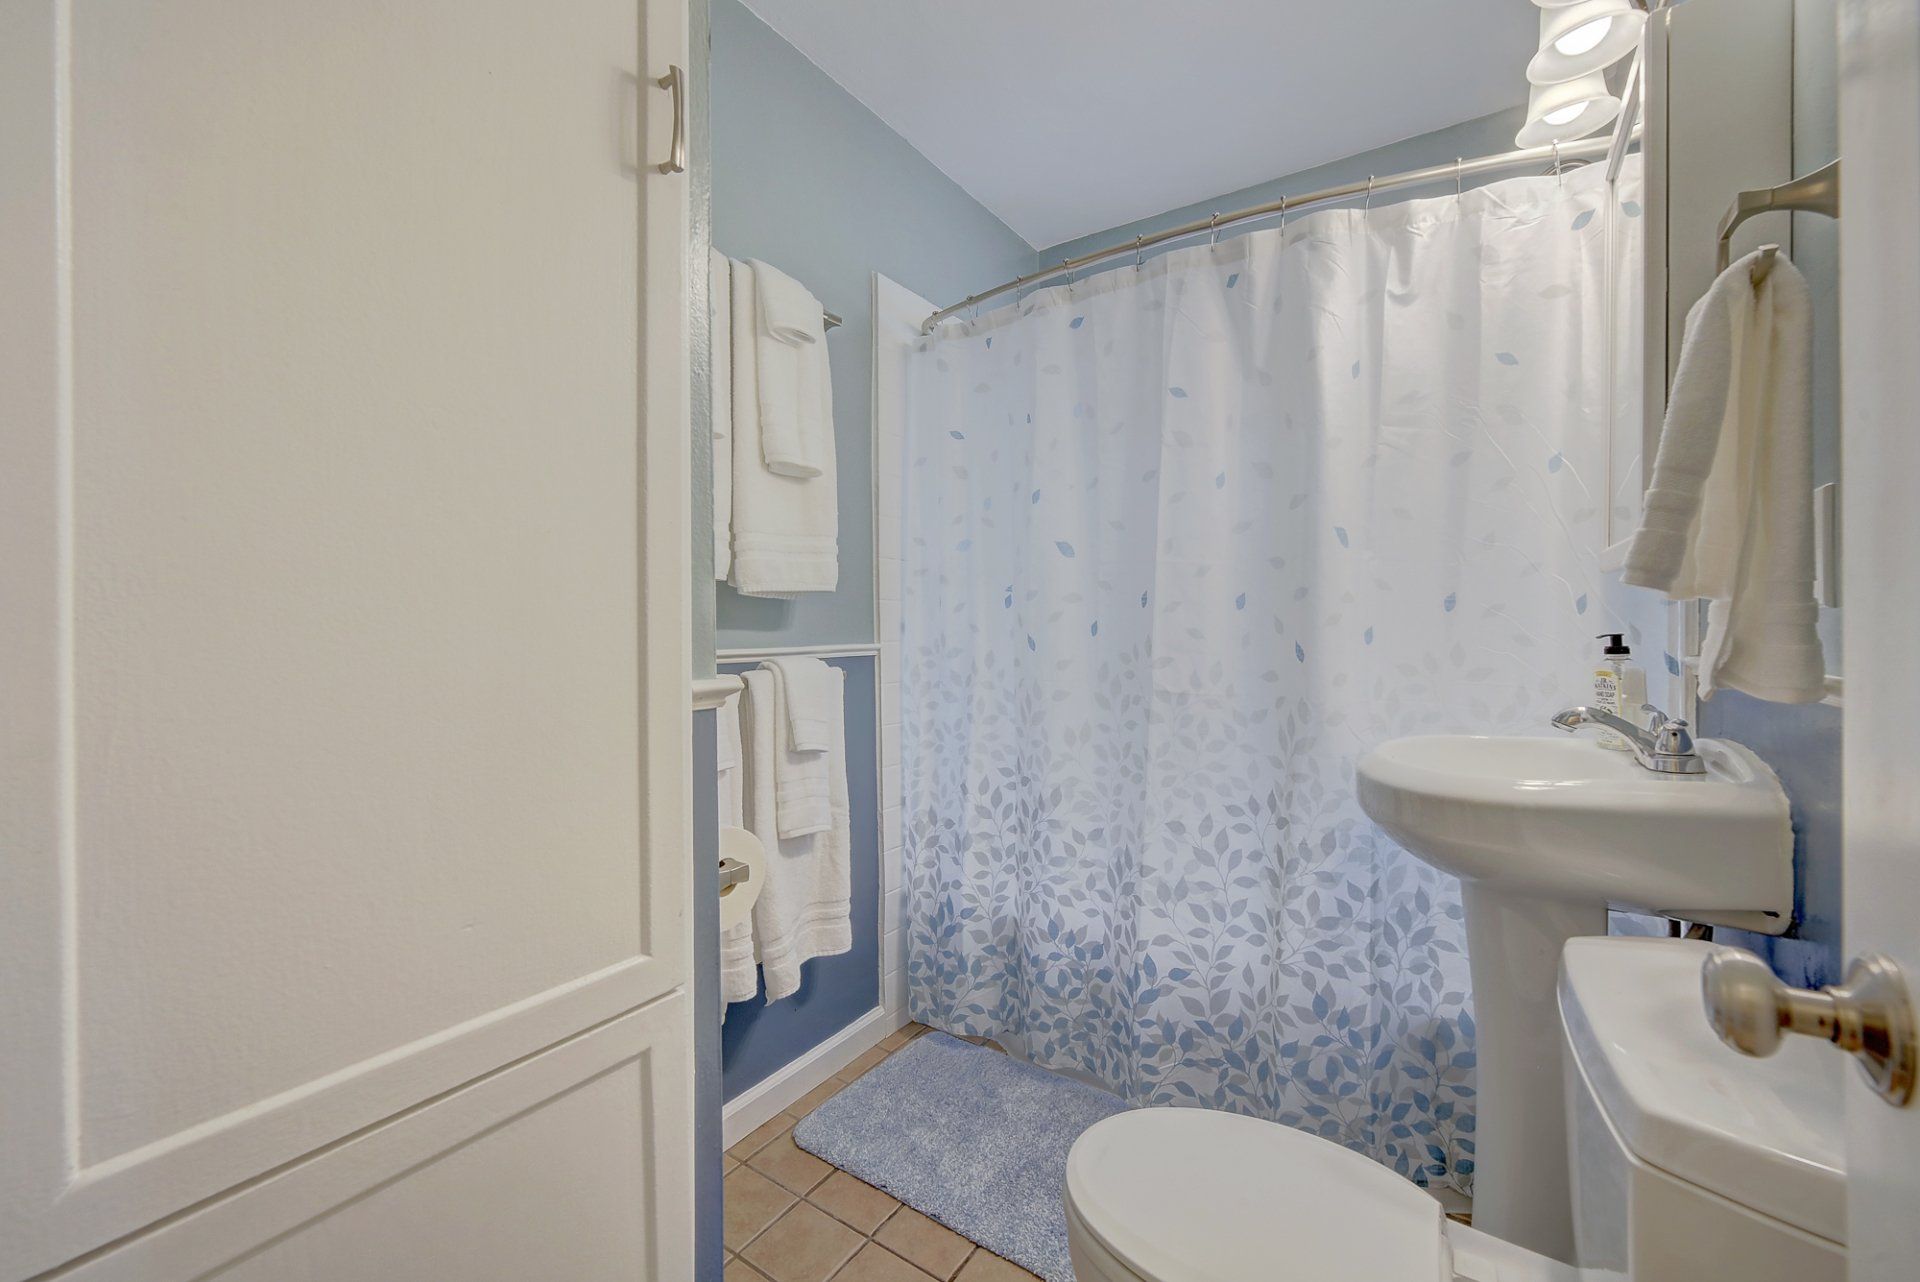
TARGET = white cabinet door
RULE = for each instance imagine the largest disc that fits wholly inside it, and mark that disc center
(1880, 315)
(343, 650)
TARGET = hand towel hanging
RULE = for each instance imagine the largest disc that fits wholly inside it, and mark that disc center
(1729, 515)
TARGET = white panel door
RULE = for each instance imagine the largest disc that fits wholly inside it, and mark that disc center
(1880, 444)
(343, 656)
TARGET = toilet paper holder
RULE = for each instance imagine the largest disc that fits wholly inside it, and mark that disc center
(743, 875)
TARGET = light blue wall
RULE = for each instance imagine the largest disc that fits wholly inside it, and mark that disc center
(1802, 744)
(807, 179)
(1484, 136)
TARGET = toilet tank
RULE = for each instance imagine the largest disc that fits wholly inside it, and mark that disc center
(1689, 1159)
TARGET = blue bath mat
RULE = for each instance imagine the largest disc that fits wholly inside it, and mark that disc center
(968, 1137)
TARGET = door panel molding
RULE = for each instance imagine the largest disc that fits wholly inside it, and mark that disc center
(126, 1192)
(212, 1235)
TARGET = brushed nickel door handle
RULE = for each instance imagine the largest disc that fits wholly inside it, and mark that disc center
(1870, 1016)
(675, 83)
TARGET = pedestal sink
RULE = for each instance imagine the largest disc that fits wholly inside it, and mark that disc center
(1545, 835)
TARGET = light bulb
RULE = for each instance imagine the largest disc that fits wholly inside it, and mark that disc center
(1588, 35)
(1568, 110)
(1584, 37)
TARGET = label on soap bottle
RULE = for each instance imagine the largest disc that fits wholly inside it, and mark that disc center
(1606, 697)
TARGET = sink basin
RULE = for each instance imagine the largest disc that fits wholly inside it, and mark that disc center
(1567, 818)
(1545, 835)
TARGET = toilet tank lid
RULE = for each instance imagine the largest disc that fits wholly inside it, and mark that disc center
(1763, 1133)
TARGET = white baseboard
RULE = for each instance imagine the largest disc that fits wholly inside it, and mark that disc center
(766, 1100)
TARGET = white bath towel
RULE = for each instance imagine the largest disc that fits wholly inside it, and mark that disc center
(1729, 515)
(795, 383)
(804, 910)
(729, 764)
(785, 528)
(720, 403)
(788, 310)
(739, 981)
(802, 792)
(813, 701)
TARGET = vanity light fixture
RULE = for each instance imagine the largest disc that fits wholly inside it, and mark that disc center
(1582, 37)
(1568, 110)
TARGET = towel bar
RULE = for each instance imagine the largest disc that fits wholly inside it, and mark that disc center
(1814, 193)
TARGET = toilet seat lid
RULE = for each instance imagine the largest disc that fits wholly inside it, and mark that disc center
(1197, 1195)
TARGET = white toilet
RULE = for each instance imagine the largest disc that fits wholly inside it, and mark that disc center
(1689, 1161)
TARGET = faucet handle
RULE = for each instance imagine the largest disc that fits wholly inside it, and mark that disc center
(1655, 717)
(1671, 738)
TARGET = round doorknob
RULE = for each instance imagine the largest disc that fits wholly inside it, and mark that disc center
(1869, 1016)
(1747, 1004)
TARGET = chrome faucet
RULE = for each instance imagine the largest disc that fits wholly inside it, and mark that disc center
(1663, 746)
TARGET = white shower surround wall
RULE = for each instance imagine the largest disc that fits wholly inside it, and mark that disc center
(1181, 543)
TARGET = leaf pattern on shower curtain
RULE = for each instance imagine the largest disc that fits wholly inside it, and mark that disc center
(1182, 544)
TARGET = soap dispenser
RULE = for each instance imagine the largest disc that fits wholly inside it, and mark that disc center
(1619, 687)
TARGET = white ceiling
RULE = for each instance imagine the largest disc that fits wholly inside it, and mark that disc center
(1066, 117)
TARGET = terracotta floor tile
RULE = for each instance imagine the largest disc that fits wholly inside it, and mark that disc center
(788, 1165)
(763, 1135)
(985, 1266)
(861, 1065)
(816, 1097)
(804, 1245)
(934, 1247)
(752, 1202)
(875, 1263)
(897, 1038)
(853, 1201)
(739, 1270)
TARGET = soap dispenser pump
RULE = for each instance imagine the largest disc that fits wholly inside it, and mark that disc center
(1619, 687)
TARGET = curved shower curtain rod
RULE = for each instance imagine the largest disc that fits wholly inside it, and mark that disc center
(1589, 149)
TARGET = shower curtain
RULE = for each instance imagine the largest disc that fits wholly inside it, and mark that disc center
(1186, 539)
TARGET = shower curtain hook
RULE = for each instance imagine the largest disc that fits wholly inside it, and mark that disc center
(1558, 172)
(1369, 204)
(1137, 240)
(1213, 230)
(1069, 275)
(1458, 161)
(1283, 216)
